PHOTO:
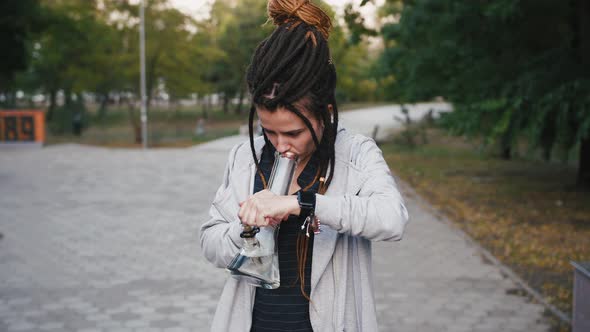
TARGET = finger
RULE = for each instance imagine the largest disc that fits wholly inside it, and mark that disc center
(268, 221)
(242, 211)
(275, 221)
(248, 217)
(245, 214)
(271, 221)
(261, 220)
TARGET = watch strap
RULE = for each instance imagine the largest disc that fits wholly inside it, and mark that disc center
(306, 201)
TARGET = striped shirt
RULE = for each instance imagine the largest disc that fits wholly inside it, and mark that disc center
(285, 308)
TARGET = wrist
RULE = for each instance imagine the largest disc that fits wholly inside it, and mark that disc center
(306, 200)
(293, 204)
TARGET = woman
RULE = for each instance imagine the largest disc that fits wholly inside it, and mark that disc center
(342, 187)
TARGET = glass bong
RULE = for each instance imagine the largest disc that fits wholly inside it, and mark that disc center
(258, 260)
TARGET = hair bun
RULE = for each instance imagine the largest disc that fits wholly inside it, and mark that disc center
(282, 11)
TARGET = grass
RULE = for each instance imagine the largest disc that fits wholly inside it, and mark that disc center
(166, 128)
(351, 106)
(529, 214)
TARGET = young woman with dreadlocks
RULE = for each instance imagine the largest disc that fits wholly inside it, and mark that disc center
(326, 281)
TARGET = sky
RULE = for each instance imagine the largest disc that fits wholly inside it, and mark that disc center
(200, 8)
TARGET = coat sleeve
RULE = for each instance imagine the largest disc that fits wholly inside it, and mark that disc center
(377, 212)
(220, 234)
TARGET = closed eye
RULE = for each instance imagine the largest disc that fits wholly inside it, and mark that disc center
(292, 133)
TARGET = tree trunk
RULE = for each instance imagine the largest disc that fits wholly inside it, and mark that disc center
(584, 166)
(52, 104)
(547, 153)
(68, 98)
(506, 153)
(151, 77)
(209, 102)
(225, 103)
(11, 100)
(582, 25)
(240, 100)
(581, 48)
(548, 139)
(205, 107)
(134, 121)
(505, 147)
(204, 110)
(78, 115)
(102, 110)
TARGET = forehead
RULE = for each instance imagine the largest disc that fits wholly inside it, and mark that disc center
(281, 119)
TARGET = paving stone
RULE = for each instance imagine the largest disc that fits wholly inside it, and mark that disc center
(108, 325)
(176, 329)
(21, 326)
(148, 329)
(143, 310)
(125, 316)
(51, 325)
(122, 329)
(163, 324)
(115, 236)
(169, 310)
(98, 317)
(137, 323)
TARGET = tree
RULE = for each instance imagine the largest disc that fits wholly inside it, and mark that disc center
(240, 28)
(18, 21)
(512, 69)
(62, 54)
(355, 23)
(350, 46)
(177, 51)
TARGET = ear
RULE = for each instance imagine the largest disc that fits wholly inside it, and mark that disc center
(331, 111)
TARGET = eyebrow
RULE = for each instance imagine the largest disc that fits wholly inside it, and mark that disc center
(291, 132)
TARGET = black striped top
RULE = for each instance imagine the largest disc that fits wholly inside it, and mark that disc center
(285, 308)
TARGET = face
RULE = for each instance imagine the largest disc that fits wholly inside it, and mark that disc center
(288, 133)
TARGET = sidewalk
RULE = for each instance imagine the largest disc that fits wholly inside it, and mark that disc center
(435, 279)
(107, 240)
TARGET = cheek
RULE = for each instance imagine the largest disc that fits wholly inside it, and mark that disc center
(273, 140)
(306, 144)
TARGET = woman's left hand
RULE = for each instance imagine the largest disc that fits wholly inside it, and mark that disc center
(265, 208)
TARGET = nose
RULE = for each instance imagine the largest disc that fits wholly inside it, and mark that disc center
(283, 144)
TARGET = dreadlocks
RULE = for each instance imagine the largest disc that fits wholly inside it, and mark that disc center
(292, 69)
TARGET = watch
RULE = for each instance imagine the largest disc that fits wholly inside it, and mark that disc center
(306, 201)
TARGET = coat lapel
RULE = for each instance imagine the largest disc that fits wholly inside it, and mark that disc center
(347, 180)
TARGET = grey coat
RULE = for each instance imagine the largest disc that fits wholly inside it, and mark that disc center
(362, 204)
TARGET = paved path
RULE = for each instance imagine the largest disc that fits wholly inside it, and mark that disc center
(107, 240)
(388, 117)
